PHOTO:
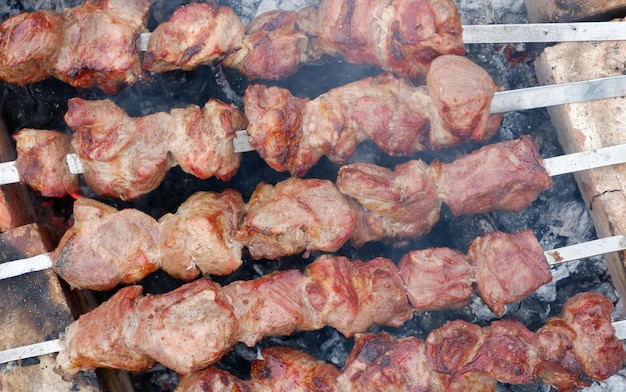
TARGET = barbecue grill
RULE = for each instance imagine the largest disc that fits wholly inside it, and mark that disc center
(558, 218)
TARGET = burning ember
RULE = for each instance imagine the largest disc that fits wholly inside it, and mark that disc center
(557, 218)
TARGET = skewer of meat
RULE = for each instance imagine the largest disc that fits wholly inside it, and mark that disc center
(134, 332)
(368, 203)
(128, 156)
(91, 44)
(570, 351)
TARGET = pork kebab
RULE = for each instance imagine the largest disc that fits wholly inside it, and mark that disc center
(401, 36)
(367, 203)
(457, 357)
(133, 331)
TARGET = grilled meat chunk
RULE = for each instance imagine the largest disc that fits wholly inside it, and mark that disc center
(106, 247)
(41, 162)
(296, 216)
(196, 34)
(200, 236)
(505, 176)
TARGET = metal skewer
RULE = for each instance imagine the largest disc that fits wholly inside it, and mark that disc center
(519, 99)
(555, 256)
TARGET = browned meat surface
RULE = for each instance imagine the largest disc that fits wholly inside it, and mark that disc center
(271, 305)
(186, 329)
(580, 343)
(508, 267)
(28, 42)
(212, 379)
(275, 129)
(41, 162)
(106, 247)
(463, 102)
(436, 278)
(194, 325)
(201, 140)
(505, 176)
(396, 206)
(402, 36)
(400, 118)
(284, 369)
(196, 34)
(123, 156)
(98, 338)
(199, 237)
(128, 157)
(98, 45)
(296, 216)
(275, 45)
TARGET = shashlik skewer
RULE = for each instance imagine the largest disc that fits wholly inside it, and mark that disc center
(134, 331)
(457, 357)
(213, 128)
(368, 203)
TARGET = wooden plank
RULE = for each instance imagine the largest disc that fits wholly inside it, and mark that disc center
(589, 125)
(543, 11)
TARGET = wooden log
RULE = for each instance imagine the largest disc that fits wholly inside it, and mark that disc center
(588, 125)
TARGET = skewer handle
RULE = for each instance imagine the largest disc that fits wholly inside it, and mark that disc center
(24, 266)
(9, 173)
(578, 161)
(543, 32)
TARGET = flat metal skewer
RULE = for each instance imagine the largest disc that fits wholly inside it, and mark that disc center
(555, 256)
(519, 99)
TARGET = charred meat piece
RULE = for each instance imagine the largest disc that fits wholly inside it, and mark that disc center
(28, 43)
(505, 176)
(202, 139)
(395, 206)
(275, 44)
(98, 338)
(41, 162)
(400, 118)
(199, 237)
(106, 247)
(123, 156)
(436, 278)
(402, 36)
(296, 216)
(98, 46)
(196, 34)
(508, 267)
(128, 157)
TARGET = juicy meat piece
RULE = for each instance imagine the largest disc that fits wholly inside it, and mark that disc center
(453, 346)
(123, 156)
(196, 34)
(509, 267)
(351, 296)
(402, 36)
(580, 344)
(99, 44)
(199, 237)
(128, 157)
(463, 102)
(506, 176)
(186, 329)
(294, 216)
(268, 306)
(41, 162)
(284, 369)
(436, 278)
(274, 45)
(293, 133)
(212, 379)
(104, 325)
(106, 247)
(202, 139)
(275, 130)
(28, 42)
(507, 353)
(396, 206)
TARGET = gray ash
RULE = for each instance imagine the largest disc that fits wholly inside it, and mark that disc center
(558, 218)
